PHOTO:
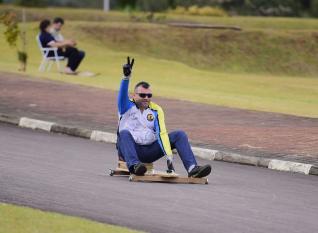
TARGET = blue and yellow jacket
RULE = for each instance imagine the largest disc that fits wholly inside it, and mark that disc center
(145, 127)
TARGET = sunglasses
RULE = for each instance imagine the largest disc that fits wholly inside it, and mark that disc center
(144, 95)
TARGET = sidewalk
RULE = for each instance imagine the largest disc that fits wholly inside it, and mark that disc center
(262, 134)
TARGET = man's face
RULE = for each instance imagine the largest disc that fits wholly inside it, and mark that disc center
(141, 97)
(57, 26)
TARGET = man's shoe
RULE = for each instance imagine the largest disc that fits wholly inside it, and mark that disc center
(200, 171)
(139, 169)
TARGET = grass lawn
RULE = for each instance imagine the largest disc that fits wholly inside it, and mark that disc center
(16, 219)
(175, 76)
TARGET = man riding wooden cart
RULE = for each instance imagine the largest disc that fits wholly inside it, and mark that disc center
(143, 138)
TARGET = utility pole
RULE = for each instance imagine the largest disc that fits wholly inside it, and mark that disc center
(106, 5)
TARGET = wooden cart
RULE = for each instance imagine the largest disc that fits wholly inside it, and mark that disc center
(155, 176)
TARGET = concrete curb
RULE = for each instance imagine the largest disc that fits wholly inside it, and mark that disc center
(208, 154)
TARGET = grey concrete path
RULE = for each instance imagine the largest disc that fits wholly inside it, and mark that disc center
(66, 174)
(253, 133)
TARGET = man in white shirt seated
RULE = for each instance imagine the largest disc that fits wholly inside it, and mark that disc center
(142, 134)
(67, 51)
(55, 30)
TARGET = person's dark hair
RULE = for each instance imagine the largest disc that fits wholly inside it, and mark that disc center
(44, 24)
(143, 84)
(58, 20)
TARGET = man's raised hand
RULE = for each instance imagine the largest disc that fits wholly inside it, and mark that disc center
(128, 67)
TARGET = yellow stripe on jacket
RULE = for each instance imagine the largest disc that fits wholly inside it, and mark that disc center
(163, 134)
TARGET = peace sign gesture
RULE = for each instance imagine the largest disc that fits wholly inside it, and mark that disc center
(128, 67)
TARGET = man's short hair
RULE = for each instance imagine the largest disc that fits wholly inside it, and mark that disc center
(44, 24)
(143, 84)
(58, 20)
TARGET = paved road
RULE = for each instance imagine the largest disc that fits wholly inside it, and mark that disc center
(66, 174)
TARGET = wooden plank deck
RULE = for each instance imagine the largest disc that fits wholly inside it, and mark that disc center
(158, 178)
(155, 176)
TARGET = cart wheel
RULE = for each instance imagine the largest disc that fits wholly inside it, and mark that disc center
(130, 178)
(111, 172)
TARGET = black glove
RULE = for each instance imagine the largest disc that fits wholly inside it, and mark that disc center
(170, 166)
(128, 67)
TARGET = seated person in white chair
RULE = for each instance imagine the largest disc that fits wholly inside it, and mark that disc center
(55, 31)
(66, 48)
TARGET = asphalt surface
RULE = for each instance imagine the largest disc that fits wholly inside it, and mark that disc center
(67, 175)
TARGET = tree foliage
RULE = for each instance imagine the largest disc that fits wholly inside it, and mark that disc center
(12, 33)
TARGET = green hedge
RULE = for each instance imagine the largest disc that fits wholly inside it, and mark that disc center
(38, 3)
(314, 8)
(242, 7)
(152, 5)
(67, 3)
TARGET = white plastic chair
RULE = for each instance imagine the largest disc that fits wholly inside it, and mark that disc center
(47, 61)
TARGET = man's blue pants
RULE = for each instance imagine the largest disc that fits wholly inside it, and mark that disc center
(133, 153)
